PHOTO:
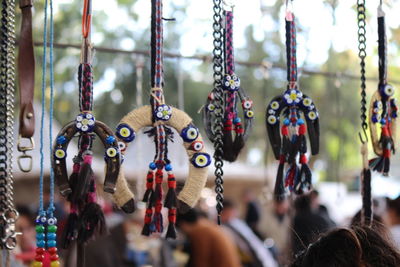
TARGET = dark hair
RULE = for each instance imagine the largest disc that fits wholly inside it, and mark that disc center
(354, 247)
(229, 204)
(394, 204)
(191, 216)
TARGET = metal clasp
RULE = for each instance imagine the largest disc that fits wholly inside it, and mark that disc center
(24, 149)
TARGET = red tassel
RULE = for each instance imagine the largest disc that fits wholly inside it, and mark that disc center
(170, 198)
(303, 159)
(147, 222)
(285, 130)
(302, 129)
(386, 153)
(228, 125)
(149, 186)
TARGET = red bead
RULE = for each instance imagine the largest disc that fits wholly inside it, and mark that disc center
(39, 257)
(52, 250)
(54, 257)
(40, 251)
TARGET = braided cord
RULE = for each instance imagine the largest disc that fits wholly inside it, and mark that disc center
(219, 104)
(382, 49)
(291, 47)
(362, 44)
(229, 51)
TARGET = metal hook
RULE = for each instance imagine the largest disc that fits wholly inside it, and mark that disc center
(363, 136)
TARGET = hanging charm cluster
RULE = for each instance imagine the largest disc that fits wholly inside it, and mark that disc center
(296, 113)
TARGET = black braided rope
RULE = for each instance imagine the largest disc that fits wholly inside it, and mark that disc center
(219, 104)
(362, 54)
(382, 51)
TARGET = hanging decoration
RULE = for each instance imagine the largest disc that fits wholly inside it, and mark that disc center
(46, 222)
(383, 108)
(86, 216)
(235, 133)
(162, 118)
(288, 118)
(26, 78)
(8, 214)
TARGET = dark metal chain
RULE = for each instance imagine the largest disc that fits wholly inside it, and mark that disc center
(8, 214)
(362, 54)
(219, 104)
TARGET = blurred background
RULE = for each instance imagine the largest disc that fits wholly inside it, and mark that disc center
(329, 73)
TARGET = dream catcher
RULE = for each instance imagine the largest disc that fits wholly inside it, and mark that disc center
(223, 124)
(8, 214)
(383, 108)
(289, 117)
(86, 217)
(46, 222)
(162, 118)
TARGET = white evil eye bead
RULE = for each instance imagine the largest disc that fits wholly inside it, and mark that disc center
(190, 133)
(163, 112)
(307, 102)
(122, 146)
(388, 90)
(271, 111)
(376, 110)
(275, 105)
(197, 146)
(160, 109)
(272, 120)
(201, 160)
(125, 133)
(79, 125)
(167, 117)
(312, 115)
(247, 104)
(166, 108)
(60, 153)
(84, 128)
(40, 219)
(228, 77)
(211, 107)
(249, 114)
(89, 116)
(159, 115)
(52, 221)
(91, 122)
(79, 118)
(111, 152)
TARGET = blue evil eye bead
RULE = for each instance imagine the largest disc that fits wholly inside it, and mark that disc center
(197, 146)
(85, 122)
(387, 90)
(110, 139)
(249, 114)
(211, 107)
(168, 167)
(292, 96)
(286, 121)
(247, 104)
(378, 105)
(51, 236)
(60, 153)
(201, 160)
(125, 133)
(236, 120)
(52, 221)
(163, 112)
(312, 115)
(40, 243)
(307, 102)
(40, 236)
(152, 166)
(111, 152)
(41, 220)
(61, 140)
(274, 105)
(272, 119)
(122, 146)
(231, 82)
(51, 243)
(190, 133)
(300, 122)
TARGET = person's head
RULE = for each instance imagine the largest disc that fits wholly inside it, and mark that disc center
(354, 247)
(393, 211)
(25, 225)
(229, 212)
(302, 203)
(186, 221)
(281, 207)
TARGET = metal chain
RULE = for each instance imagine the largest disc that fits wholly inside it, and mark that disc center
(362, 54)
(8, 214)
(219, 104)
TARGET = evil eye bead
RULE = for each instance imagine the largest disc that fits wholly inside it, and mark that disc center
(249, 114)
(378, 104)
(307, 102)
(272, 120)
(110, 139)
(60, 153)
(41, 220)
(247, 104)
(125, 133)
(387, 90)
(52, 221)
(231, 82)
(293, 96)
(274, 105)
(163, 112)
(271, 111)
(111, 152)
(211, 107)
(85, 122)
(61, 140)
(122, 146)
(312, 115)
(190, 133)
(197, 146)
(201, 160)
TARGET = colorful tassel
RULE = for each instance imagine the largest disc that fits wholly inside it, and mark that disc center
(171, 232)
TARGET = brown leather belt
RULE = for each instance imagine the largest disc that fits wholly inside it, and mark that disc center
(26, 79)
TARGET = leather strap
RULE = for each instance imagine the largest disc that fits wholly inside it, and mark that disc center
(26, 72)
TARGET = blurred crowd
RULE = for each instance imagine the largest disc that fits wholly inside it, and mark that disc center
(289, 232)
